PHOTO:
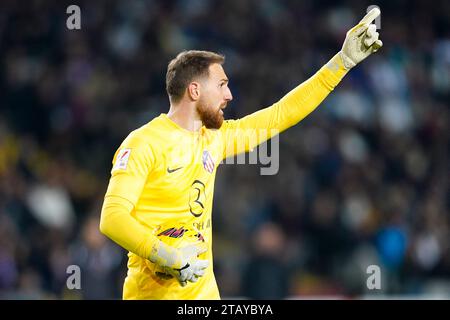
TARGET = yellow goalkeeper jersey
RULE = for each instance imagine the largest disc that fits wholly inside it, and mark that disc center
(166, 174)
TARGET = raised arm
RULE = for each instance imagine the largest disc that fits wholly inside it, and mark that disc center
(244, 134)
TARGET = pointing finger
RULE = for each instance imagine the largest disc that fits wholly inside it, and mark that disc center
(359, 29)
(370, 16)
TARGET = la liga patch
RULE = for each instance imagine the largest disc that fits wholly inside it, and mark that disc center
(122, 159)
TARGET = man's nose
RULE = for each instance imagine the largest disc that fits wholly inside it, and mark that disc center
(228, 95)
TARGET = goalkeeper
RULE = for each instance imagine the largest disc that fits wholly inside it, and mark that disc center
(164, 172)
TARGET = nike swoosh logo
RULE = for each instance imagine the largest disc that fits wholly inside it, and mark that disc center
(173, 170)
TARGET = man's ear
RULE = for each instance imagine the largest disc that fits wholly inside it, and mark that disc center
(194, 91)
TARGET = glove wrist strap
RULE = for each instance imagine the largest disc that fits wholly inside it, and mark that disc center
(348, 63)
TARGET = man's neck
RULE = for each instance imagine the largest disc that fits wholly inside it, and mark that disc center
(185, 116)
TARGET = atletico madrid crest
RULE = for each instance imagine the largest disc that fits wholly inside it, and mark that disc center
(208, 162)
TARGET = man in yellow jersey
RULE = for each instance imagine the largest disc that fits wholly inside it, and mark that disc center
(164, 171)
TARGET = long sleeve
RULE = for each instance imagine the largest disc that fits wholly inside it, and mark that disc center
(244, 134)
(131, 166)
(119, 225)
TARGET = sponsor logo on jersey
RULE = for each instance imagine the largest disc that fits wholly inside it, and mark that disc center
(173, 232)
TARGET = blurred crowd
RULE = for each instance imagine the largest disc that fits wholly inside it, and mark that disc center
(362, 181)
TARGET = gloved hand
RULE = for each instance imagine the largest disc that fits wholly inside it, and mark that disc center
(183, 263)
(361, 41)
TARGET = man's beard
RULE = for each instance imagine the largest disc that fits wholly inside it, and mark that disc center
(211, 119)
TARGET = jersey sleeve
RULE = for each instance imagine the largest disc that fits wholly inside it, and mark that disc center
(244, 134)
(117, 223)
(132, 163)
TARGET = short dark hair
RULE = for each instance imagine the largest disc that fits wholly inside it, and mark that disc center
(187, 66)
